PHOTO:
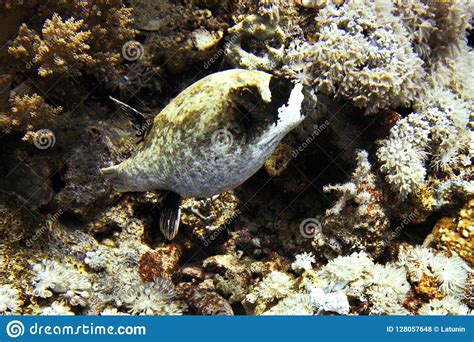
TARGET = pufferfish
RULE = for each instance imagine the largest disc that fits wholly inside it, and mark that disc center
(211, 138)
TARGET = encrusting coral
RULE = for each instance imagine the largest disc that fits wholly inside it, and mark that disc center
(387, 83)
(455, 234)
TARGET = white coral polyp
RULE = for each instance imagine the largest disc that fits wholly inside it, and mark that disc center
(51, 277)
(275, 286)
(303, 262)
(339, 272)
(152, 298)
(10, 301)
(451, 274)
(56, 309)
(445, 306)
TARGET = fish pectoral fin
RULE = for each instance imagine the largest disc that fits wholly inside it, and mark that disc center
(170, 215)
(138, 119)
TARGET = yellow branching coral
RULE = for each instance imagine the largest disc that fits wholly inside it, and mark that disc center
(27, 112)
(59, 45)
(62, 46)
(23, 47)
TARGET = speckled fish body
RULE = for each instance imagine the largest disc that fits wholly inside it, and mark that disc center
(181, 153)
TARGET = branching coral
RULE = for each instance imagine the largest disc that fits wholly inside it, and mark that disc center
(72, 45)
(62, 46)
(28, 113)
(357, 221)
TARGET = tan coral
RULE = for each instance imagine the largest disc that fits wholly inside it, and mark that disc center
(278, 162)
(208, 220)
(27, 113)
(61, 46)
(427, 288)
(160, 263)
(455, 234)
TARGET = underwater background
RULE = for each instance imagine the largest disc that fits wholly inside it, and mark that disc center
(365, 208)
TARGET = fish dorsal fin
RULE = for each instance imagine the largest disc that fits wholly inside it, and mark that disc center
(138, 119)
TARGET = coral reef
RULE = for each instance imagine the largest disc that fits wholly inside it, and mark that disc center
(10, 301)
(365, 208)
(436, 138)
(455, 234)
(27, 114)
(357, 221)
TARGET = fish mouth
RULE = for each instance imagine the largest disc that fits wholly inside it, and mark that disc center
(116, 177)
